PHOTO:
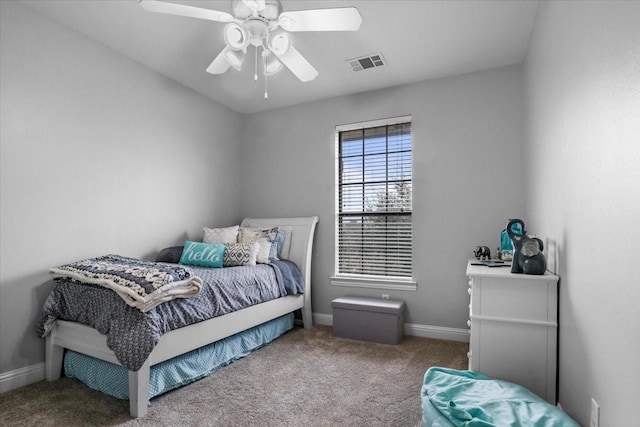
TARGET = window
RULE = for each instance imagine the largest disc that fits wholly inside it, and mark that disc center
(374, 201)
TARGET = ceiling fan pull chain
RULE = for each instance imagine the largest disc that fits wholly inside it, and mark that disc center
(264, 70)
(255, 72)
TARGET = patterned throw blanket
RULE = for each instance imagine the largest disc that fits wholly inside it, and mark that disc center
(141, 284)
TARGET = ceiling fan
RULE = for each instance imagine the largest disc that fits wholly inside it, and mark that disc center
(261, 23)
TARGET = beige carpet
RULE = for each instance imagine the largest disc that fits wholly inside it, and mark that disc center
(304, 378)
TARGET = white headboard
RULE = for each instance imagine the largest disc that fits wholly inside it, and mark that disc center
(300, 251)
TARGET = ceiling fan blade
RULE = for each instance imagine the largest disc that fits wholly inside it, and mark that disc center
(338, 19)
(184, 10)
(220, 64)
(298, 65)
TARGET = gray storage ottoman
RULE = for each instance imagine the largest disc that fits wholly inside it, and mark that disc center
(368, 319)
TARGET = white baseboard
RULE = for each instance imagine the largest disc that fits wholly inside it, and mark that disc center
(21, 377)
(424, 331)
(323, 319)
(437, 332)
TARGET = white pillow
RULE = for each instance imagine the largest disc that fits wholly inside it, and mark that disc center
(263, 252)
(265, 238)
(221, 236)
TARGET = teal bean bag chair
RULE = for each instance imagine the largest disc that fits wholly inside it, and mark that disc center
(471, 399)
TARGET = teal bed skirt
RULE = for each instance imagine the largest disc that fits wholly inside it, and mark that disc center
(471, 399)
(113, 379)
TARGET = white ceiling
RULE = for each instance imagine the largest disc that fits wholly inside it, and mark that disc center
(420, 40)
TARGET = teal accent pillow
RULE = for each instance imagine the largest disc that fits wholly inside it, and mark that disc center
(202, 254)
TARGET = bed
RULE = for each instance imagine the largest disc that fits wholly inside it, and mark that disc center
(452, 398)
(85, 340)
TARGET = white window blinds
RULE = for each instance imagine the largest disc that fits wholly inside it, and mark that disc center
(374, 201)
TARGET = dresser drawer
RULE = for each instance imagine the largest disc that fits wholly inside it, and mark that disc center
(514, 299)
(516, 352)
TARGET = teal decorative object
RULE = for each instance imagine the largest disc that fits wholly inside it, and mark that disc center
(202, 254)
(505, 241)
(527, 251)
(506, 247)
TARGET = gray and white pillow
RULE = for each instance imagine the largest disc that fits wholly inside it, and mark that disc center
(238, 254)
(221, 236)
(266, 238)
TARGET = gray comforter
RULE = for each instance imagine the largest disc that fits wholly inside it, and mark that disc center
(132, 334)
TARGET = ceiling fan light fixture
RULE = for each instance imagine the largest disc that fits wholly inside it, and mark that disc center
(271, 64)
(236, 37)
(280, 43)
(258, 31)
(234, 58)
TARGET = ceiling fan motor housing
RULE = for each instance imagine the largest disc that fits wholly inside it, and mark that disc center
(267, 9)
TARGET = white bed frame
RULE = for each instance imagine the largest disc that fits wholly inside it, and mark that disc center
(86, 340)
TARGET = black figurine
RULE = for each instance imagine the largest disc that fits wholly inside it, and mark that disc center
(527, 251)
(482, 252)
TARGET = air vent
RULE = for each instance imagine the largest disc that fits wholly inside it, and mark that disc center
(366, 62)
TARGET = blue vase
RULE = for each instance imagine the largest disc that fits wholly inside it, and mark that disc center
(505, 240)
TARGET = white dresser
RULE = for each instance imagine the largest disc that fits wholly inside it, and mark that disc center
(513, 321)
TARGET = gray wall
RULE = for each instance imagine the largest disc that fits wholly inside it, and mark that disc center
(98, 155)
(583, 130)
(468, 148)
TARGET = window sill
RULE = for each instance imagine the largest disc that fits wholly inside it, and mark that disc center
(374, 283)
